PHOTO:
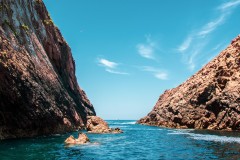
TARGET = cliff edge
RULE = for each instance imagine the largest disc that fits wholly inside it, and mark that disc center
(210, 99)
(39, 93)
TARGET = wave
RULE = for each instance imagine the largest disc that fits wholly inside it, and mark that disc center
(87, 145)
(133, 129)
(109, 139)
(180, 131)
(119, 126)
(215, 138)
(120, 123)
(207, 137)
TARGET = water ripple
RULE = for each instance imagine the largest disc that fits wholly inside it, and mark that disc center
(138, 142)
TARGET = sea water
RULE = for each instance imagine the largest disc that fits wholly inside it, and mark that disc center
(138, 142)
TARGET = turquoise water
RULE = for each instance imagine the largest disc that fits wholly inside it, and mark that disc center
(136, 143)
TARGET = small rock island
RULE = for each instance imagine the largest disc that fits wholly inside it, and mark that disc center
(82, 139)
(97, 125)
(94, 125)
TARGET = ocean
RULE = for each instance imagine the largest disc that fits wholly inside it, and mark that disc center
(138, 142)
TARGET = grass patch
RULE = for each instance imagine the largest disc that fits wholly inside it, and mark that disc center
(24, 27)
(38, 1)
(48, 22)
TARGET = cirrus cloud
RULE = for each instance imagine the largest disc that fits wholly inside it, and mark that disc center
(107, 63)
(157, 73)
(147, 49)
(110, 66)
(195, 42)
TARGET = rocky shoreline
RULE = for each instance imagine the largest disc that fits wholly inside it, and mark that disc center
(210, 99)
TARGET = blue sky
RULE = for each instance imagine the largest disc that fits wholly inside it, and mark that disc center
(128, 52)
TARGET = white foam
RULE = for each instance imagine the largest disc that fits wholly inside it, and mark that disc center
(119, 126)
(215, 138)
(206, 137)
(121, 123)
(109, 139)
(138, 129)
(91, 144)
(178, 131)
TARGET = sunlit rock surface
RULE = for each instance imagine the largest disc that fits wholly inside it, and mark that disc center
(97, 125)
(210, 99)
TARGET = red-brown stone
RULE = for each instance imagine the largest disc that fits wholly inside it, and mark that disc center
(39, 93)
(210, 99)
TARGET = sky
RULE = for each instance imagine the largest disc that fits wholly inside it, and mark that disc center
(128, 52)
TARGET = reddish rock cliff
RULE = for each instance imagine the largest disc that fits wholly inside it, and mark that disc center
(210, 99)
(39, 93)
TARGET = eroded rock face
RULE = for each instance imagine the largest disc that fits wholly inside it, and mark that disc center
(97, 125)
(210, 99)
(39, 93)
(82, 139)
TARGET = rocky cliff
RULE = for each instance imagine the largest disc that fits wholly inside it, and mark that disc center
(39, 93)
(210, 99)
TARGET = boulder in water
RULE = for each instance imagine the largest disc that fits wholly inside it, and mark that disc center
(116, 130)
(97, 125)
(82, 139)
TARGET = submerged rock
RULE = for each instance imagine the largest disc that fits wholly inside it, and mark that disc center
(82, 139)
(210, 99)
(97, 125)
(116, 130)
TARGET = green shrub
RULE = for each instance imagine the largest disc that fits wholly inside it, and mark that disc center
(38, 1)
(48, 22)
(25, 27)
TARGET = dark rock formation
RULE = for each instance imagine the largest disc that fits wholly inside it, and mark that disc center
(39, 93)
(210, 99)
(97, 125)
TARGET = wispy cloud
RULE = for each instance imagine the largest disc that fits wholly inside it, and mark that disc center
(195, 41)
(229, 5)
(211, 26)
(196, 52)
(162, 75)
(116, 72)
(157, 73)
(147, 49)
(107, 63)
(110, 67)
(225, 10)
(191, 62)
(185, 45)
(218, 46)
(214, 52)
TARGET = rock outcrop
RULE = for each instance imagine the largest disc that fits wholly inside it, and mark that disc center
(39, 93)
(82, 139)
(97, 125)
(210, 99)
